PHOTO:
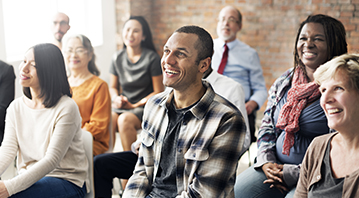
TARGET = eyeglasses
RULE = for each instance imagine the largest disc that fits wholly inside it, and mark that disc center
(77, 51)
(229, 20)
(62, 23)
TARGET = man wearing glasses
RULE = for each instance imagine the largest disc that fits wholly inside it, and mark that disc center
(59, 28)
(239, 61)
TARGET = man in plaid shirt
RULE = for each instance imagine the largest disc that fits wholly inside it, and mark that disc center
(191, 137)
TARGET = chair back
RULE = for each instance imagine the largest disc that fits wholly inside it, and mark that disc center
(88, 146)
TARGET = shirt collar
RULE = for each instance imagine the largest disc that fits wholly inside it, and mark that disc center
(230, 45)
(200, 109)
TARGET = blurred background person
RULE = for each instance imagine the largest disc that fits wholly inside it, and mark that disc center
(330, 166)
(60, 25)
(136, 75)
(237, 60)
(293, 116)
(89, 91)
(43, 131)
(7, 92)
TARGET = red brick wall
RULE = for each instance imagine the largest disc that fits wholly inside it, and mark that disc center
(269, 26)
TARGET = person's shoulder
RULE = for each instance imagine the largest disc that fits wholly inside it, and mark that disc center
(160, 97)
(98, 80)
(119, 53)
(17, 103)
(229, 81)
(6, 68)
(224, 104)
(150, 53)
(245, 46)
(319, 143)
(322, 139)
(219, 104)
(285, 75)
(3, 64)
(66, 100)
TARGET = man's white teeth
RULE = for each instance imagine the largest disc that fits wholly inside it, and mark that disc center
(334, 111)
(171, 72)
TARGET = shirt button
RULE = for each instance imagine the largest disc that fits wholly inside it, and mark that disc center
(194, 155)
(318, 177)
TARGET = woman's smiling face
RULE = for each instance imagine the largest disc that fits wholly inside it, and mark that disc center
(312, 45)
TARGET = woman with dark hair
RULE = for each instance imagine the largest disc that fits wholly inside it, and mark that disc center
(293, 116)
(43, 131)
(136, 75)
(89, 91)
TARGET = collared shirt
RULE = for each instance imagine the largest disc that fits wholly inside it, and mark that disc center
(243, 66)
(267, 134)
(211, 137)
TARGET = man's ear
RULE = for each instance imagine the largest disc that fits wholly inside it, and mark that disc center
(240, 27)
(204, 64)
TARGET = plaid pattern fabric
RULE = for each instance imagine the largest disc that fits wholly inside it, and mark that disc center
(208, 147)
(267, 134)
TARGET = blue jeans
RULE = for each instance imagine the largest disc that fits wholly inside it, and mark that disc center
(249, 184)
(48, 187)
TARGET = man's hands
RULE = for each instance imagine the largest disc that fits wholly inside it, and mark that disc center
(274, 174)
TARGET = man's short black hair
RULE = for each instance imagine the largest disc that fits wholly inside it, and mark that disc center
(204, 43)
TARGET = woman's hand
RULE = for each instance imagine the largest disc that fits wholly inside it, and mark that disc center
(3, 190)
(274, 174)
(122, 102)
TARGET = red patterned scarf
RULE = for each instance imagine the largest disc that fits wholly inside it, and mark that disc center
(299, 96)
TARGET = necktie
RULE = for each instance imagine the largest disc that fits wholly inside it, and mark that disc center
(224, 60)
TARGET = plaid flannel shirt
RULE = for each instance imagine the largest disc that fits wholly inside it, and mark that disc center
(211, 137)
(268, 133)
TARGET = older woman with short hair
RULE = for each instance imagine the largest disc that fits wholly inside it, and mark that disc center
(330, 166)
(89, 91)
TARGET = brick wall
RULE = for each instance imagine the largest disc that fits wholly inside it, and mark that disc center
(269, 26)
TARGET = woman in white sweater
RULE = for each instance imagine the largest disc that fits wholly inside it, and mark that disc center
(43, 130)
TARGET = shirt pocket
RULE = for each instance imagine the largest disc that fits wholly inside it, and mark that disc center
(197, 154)
(148, 141)
(147, 149)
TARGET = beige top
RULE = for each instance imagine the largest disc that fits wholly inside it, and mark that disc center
(47, 142)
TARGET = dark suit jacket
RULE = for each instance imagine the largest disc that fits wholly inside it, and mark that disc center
(7, 92)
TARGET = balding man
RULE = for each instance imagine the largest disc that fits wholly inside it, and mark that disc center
(239, 61)
(59, 27)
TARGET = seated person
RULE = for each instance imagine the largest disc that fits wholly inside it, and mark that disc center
(191, 137)
(7, 92)
(43, 131)
(89, 91)
(330, 167)
(293, 116)
(135, 76)
(106, 166)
